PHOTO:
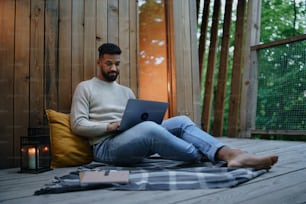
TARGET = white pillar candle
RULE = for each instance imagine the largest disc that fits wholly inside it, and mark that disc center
(32, 159)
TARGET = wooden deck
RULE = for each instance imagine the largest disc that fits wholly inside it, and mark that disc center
(285, 183)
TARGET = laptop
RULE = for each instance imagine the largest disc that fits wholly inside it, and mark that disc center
(138, 110)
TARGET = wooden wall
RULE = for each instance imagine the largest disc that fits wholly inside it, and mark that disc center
(186, 59)
(48, 46)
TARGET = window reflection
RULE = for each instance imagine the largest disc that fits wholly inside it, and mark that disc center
(153, 77)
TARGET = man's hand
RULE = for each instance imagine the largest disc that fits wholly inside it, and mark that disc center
(113, 126)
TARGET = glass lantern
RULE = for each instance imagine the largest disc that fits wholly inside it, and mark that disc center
(35, 154)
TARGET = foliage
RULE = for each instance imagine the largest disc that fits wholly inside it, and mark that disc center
(282, 69)
(282, 19)
(281, 103)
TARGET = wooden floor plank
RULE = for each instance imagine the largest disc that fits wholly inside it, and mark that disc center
(284, 183)
(281, 189)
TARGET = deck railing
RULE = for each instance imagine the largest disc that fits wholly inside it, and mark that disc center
(281, 87)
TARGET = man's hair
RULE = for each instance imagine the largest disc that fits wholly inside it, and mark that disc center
(109, 48)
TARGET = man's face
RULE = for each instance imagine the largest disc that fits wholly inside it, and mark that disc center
(109, 67)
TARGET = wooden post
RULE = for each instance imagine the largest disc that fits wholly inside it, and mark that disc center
(194, 64)
(249, 82)
(209, 82)
(222, 75)
(233, 115)
(186, 59)
(203, 34)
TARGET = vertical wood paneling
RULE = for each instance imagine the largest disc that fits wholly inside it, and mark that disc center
(64, 53)
(55, 48)
(133, 46)
(124, 41)
(7, 17)
(101, 36)
(184, 77)
(37, 63)
(51, 54)
(178, 39)
(195, 81)
(222, 75)
(77, 47)
(90, 52)
(21, 78)
(209, 81)
(113, 21)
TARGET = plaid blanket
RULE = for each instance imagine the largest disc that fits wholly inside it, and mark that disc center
(158, 174)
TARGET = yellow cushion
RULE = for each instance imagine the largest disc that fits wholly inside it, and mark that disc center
(67, 149)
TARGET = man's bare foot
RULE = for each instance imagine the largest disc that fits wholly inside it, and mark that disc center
(238, 159)
(252, 161)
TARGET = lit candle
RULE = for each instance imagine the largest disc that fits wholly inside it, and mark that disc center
(32, 159)
(45, 149)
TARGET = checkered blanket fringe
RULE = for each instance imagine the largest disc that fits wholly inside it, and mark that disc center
(158, 174)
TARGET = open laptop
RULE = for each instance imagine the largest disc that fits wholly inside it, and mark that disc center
(138, 110)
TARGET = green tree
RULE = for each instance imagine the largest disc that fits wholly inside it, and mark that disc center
(281, 103)
(282, 19)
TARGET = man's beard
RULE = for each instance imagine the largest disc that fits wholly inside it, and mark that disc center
(110, 76)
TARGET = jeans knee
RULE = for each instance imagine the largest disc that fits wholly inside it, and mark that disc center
(148, 127)
(183, 120)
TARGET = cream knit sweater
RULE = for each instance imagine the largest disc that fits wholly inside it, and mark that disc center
(95, 104)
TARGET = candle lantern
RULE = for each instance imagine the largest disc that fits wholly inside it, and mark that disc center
(35, 154)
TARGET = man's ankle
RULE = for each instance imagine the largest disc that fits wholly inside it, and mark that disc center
(226, 153)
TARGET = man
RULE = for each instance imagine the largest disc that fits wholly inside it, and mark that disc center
(96, 111)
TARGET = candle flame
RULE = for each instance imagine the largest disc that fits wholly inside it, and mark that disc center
(32, 150)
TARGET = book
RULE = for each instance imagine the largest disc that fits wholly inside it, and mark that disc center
(110, 176)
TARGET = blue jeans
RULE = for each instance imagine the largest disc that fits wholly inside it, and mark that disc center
(177, 138)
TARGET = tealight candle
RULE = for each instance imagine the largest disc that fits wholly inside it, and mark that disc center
(45, 149)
